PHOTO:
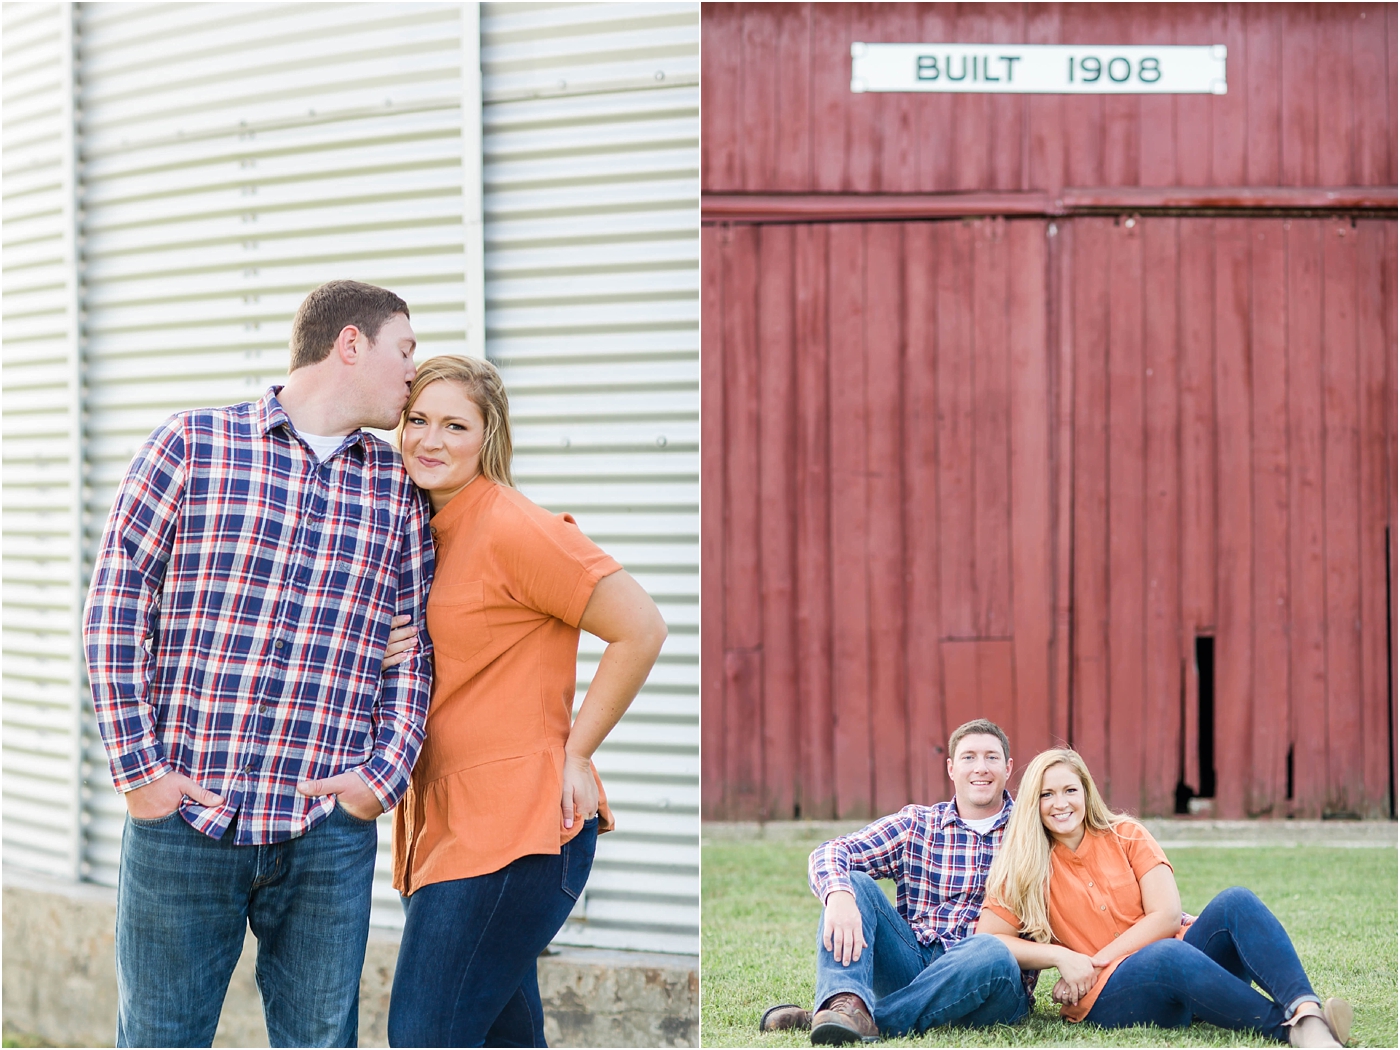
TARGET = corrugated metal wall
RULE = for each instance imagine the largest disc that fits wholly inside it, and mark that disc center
(42, 470)
(1019, 466)
(1311, 101)
(231, 157)
(591, 151)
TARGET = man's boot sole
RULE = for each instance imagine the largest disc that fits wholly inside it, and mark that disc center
(831, 1033)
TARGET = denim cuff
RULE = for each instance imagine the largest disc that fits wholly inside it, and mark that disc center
(1291, 1010)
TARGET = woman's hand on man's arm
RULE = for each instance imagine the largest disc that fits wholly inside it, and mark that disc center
(403, 636)
(1077, 971)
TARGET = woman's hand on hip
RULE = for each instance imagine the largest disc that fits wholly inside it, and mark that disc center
(580, 793)
(403, 636)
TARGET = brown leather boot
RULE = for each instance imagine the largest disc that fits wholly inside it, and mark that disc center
(843, 1018)
(781, 1018)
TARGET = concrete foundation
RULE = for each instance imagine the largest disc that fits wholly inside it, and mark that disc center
(60, 980)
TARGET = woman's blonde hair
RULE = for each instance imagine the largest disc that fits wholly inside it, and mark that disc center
(483, 386)
(1020, 875)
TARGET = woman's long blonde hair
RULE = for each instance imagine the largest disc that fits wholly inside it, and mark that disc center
(1020, 875)
(482, 384)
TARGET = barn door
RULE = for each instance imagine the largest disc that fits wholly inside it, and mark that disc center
(1233, 499)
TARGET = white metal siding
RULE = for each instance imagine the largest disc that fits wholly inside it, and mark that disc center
(42, 467)
(591, 172)
(234, 156)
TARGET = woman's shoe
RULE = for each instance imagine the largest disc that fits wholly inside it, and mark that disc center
(1338, 1014)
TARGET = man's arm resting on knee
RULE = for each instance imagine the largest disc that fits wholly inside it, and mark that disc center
(843, 932)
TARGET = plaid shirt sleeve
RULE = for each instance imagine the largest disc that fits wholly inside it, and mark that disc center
(401, 709)
(875, 849)
(121, 619)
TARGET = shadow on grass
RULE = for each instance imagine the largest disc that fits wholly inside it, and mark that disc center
(1339, 906)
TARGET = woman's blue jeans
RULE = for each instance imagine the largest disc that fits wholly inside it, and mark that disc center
(186, 901)
(1236, 940)
(466, 969)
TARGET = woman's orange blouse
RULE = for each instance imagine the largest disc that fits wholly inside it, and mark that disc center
(1094, 895)
(509, 589)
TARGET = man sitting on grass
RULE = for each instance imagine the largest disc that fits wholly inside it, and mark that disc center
(907, 968)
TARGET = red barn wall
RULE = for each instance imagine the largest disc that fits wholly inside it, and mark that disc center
(1016, 466)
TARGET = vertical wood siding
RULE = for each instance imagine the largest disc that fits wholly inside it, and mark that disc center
(1311, 101)
(1012, 469)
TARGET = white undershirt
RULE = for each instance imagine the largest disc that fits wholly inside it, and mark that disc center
(981, 826)
(321, 444)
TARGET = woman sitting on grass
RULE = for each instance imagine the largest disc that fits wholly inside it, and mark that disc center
(1090, 893)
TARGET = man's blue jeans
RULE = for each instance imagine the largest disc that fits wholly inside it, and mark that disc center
(1236, 940)
(185, 901)
(466, 970)
(910, 987)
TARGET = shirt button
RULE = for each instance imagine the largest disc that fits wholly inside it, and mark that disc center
(1091, 882)
(1103, 907)
(277, 644)
(262, 709)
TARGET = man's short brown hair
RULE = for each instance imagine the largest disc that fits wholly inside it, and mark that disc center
(979, 725)
(326, 311)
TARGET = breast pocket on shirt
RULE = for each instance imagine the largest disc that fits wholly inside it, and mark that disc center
(457, 619)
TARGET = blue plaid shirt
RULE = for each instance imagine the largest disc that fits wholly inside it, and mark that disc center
(938, 864)
(239, 611)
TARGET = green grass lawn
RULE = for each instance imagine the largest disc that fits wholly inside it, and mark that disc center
(1339, 906)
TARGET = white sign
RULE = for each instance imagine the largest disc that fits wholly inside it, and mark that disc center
(1058, 69)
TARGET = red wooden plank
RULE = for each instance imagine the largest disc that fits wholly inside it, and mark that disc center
(1263, 93)
(1298, 73)
(850, 620)
(1234, 521)
(1162, 714)
(1081, 116)
(721, 61)
(1307, 576)
(1006, 25)
(759, 96)
(990, 464)
(1122, 114)
(1377, 481)
(961, 691)
(1196, 327)
(898, 163)
(927, 779)
(972, 113)
(793, 119)
(1194, 24)
(743, 625)
(814, 596)
(1123, 774)
(1089, 683)
(1265, 790)
(955, 422)
(1389, 284)
(1156, 113)
(1060, 238)
(1031, 472)
(865, 112)
(1341, 517)
(996, 684)
(884, 343)
(831, 52)
(712, 735)
(1390, 88)
(1045, 155)
(776, 475)
(934, 123)
(1369, 59)
(1335, 121)
(1229, 112)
